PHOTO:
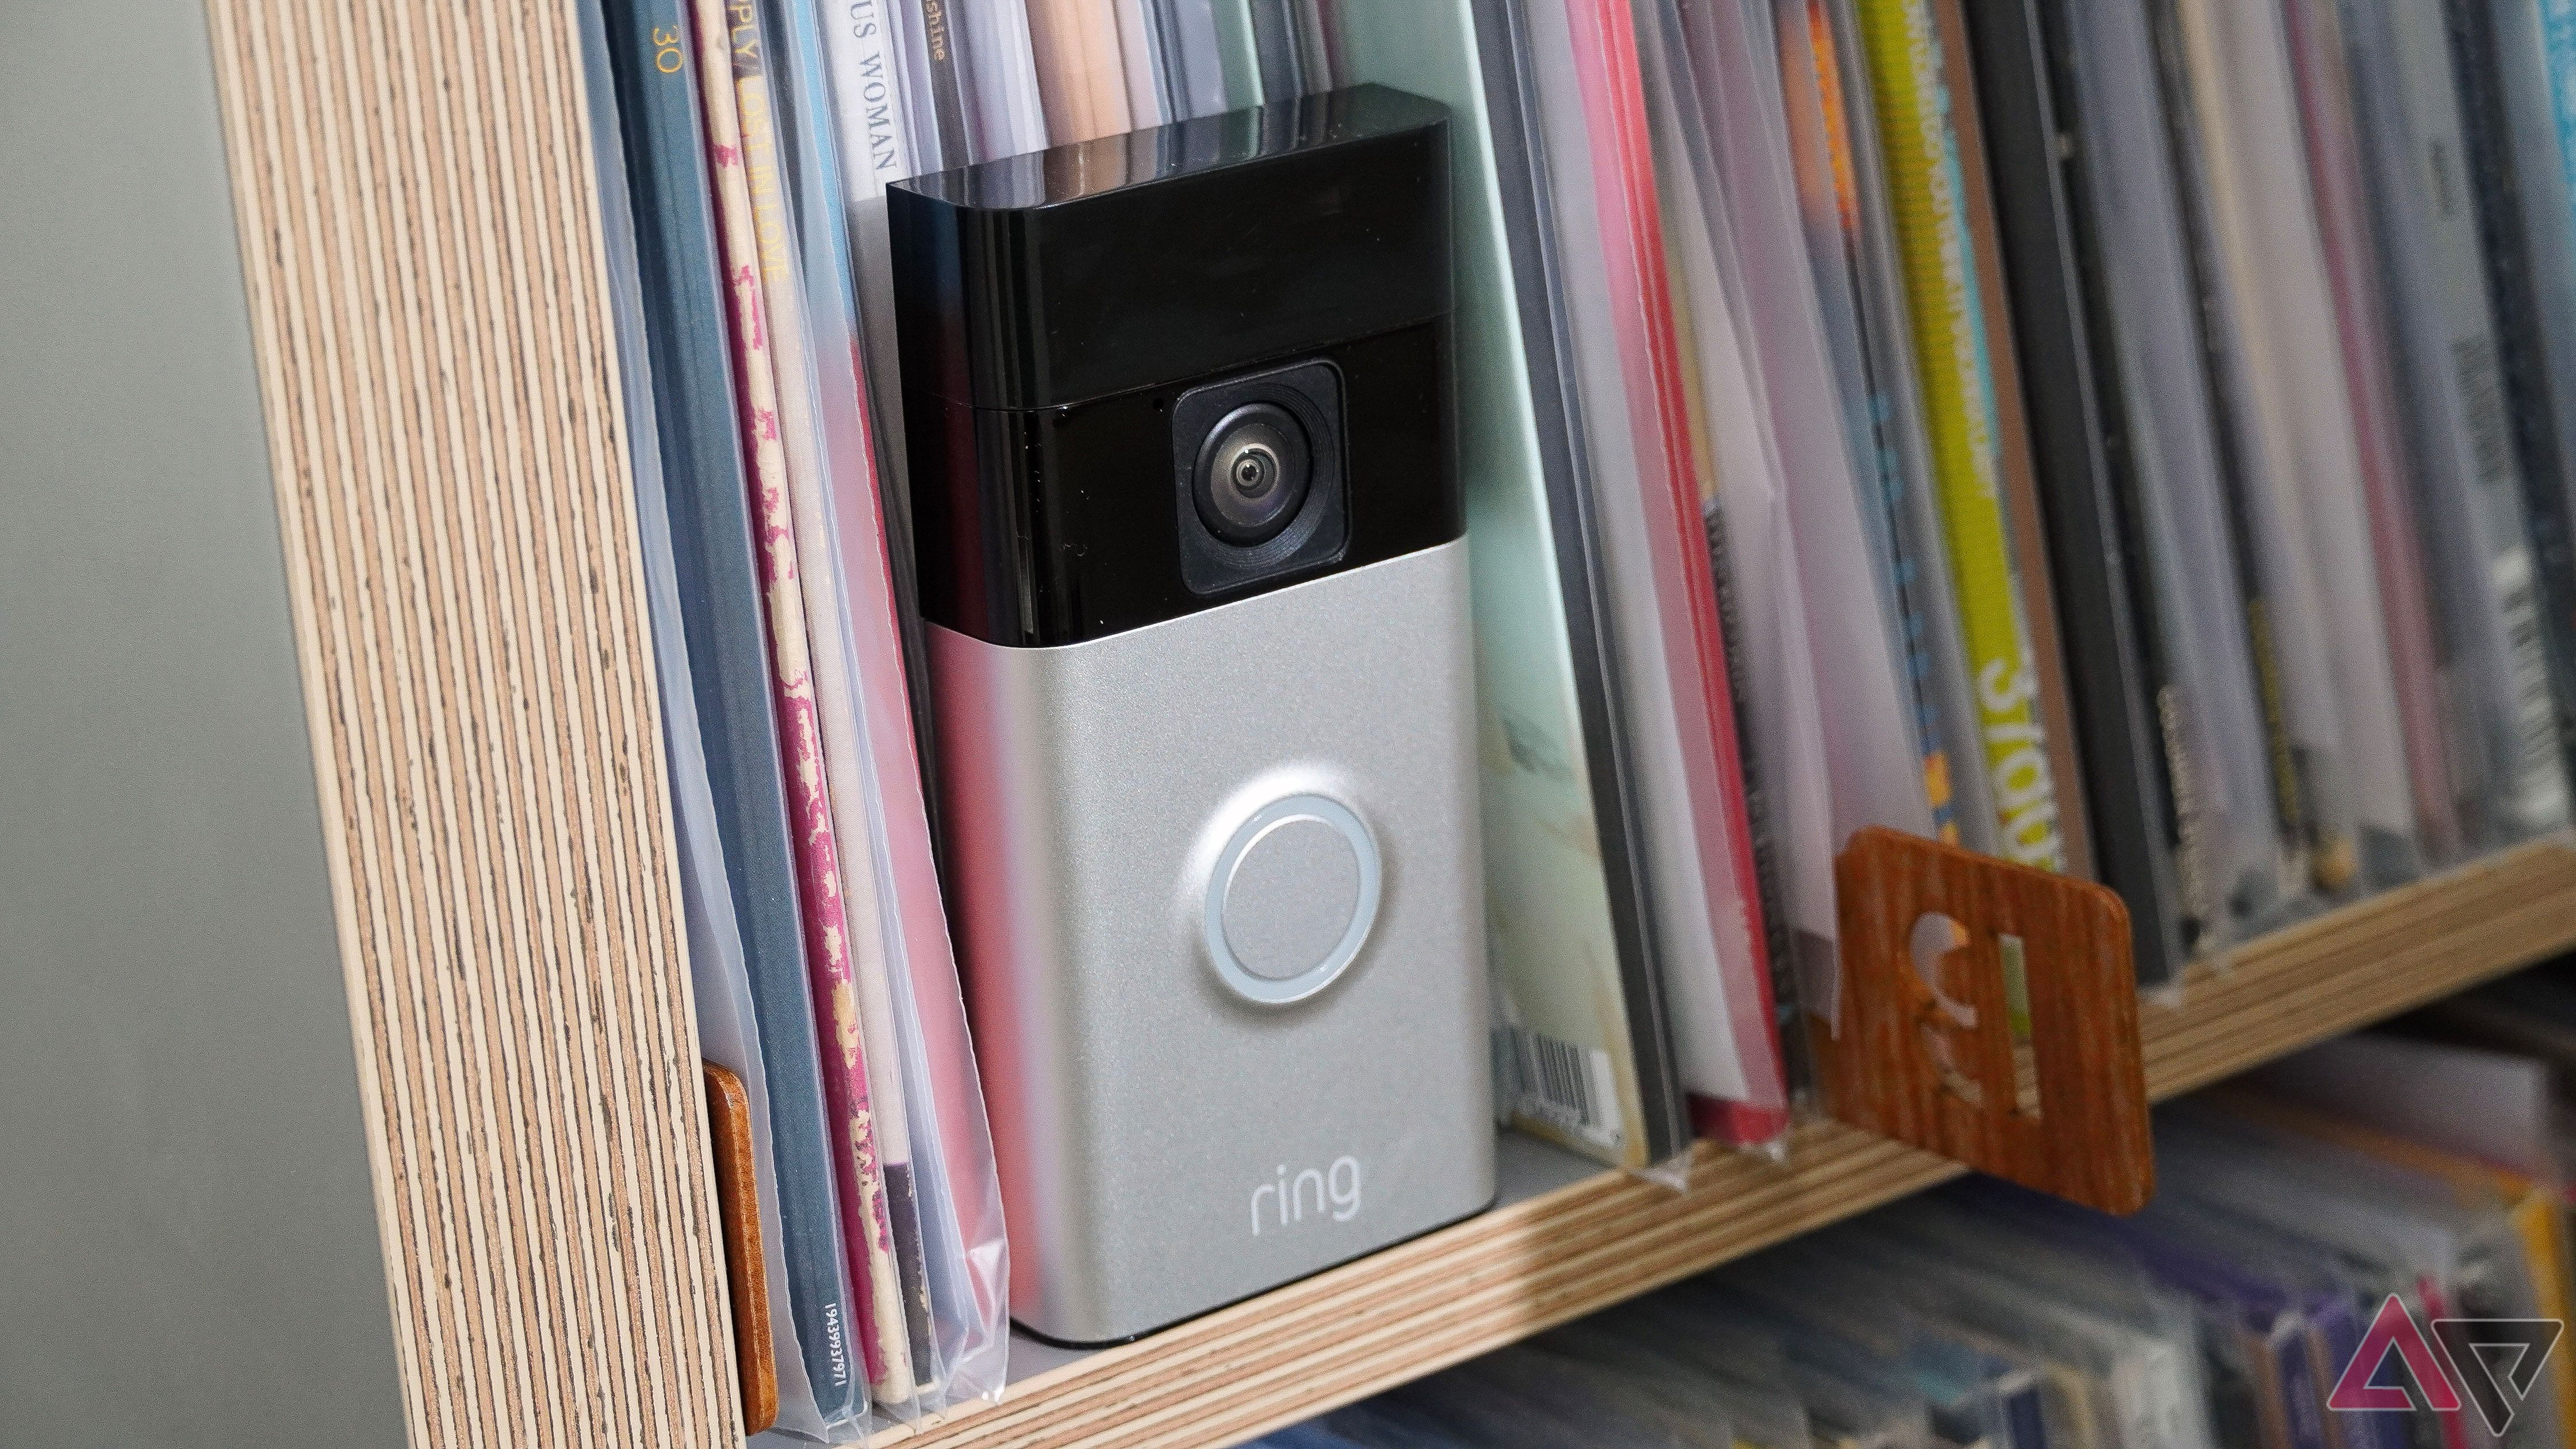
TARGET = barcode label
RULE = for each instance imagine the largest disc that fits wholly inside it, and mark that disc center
(2482, 395)
(1568, 1087)
(2540, 780)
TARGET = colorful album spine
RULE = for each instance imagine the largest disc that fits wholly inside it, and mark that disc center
(2026, 533)
(2113, 646)
(765, 87)
(1610, 1017)
(2310, 846)
(1858, 263)
(814, 318)
(955, 1264)
(2352, 272)
(2549, 64)
(1081, 81)
(1927, 192)
(1614, 103)
(866, 1232)
(2520, 251)
(2475, 513)
(716, 563)
(941, 41)
(1764, 808)
(1833, 209)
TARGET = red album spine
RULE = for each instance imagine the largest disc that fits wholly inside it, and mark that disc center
(1614, 103)
(864, 1229)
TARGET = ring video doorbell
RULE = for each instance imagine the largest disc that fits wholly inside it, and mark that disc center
(1185, 494)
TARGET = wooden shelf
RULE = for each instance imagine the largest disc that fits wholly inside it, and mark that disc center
(430, 318)
(1558, 1249)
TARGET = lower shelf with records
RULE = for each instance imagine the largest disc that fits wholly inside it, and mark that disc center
(1566, 1239)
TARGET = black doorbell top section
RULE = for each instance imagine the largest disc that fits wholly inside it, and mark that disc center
(1153, 373)
(1068, 275)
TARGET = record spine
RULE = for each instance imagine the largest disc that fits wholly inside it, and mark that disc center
(1921, 539)
(867, 96)
(1829, 223)
(940, 41)
(2544, 102)
(1889, 428)
(2174, 813)
(1606, 67)
(1275, 42)
(1140, 63)
(2115, 665)
(1082, 85)
(1836, 749)
(2290, 801)
(1196, 56)
(2025, 521)
(2348, 711)
(830, 457)
(911, 65)
(881, 141)
(2477, 497)
(2516, 307)
(656, 65)
(867, 1235)
(1828, 486)
(1714, 1117)
(1502, 43)
(1955, 372)
(2352, 263)
(1318, 45)
(1171, 62)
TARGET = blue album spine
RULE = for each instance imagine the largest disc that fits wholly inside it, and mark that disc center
(2481, 59)
(2302, 1397)
(2025, 1417)
(711, 536)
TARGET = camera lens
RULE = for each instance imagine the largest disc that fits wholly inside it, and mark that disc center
(1252, 474)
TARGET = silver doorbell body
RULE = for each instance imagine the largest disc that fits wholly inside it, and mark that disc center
(1182, 445)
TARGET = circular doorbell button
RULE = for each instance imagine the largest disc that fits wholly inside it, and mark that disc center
(1292, 899)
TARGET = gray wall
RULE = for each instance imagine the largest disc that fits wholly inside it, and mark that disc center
(187, 1237)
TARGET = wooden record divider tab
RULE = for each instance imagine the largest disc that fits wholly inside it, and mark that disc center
(731, 1142)
(1904, 1057)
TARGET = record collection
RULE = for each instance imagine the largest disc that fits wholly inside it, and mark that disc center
(2324, 1267)
(2129, 438)
(2082, 418)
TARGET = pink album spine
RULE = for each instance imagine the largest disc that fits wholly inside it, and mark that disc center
(921, 915)
(818, 868)
(1605, 65)
(2352, 264)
